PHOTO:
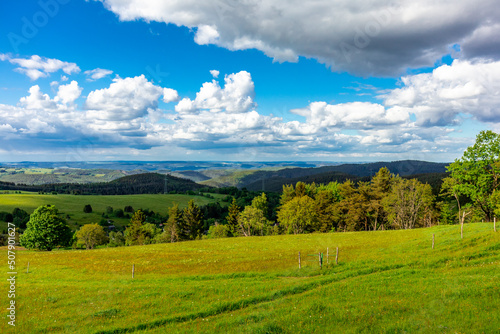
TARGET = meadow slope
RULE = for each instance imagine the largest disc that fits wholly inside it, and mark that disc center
(72, 205)
(385, 282)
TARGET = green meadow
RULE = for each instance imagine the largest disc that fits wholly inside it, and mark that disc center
(384, 282)
(72, 205)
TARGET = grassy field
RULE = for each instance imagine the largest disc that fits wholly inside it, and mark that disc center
(385, 282)
(72, 205)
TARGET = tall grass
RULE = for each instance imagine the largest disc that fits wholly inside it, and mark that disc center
(385, 282)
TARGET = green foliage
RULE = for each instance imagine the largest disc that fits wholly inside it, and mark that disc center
(116, 239)
(409, 204)
(476, 174)
(174, 223)
(218, 231)
(260, 203)
(252, 221)
(192, 222)
(298, 215)
(91, 235)
(232, 218)
(135, 234)
(46, 230)
(87, 208)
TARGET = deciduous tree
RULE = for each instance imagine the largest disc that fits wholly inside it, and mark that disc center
(91, 235)
(46, 230)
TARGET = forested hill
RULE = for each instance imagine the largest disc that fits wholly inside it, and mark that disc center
(274, 180)
(148, 183)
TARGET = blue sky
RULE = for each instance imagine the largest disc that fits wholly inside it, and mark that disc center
(245, 80)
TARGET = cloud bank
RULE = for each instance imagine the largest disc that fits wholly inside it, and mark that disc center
(364, 38)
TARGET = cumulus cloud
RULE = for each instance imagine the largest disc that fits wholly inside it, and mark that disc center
(437, 98)
(215, 73)
(97, 74)
(37, 67)
(170, 95)
(125, 99)
(237, 96)
(68, 93)
(377, 38)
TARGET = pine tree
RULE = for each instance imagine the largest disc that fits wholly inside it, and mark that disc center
(193, 222)
(135, 234)
(232, 218)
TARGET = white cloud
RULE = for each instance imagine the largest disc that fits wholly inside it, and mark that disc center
(125, 99)
(237, 96)
(214, 73)
(170, 95)
(37, 67)
(68, 93)
(37, 100)
(381, 38)
(436, 98)
(97, 74)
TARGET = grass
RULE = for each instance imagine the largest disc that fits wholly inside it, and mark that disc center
(72, 205)
(385, 282)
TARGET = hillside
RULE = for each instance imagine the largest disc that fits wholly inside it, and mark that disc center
(385, 282)
(274, 179)
(146, 183)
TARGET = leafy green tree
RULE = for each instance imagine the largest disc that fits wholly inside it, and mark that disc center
(192, 222)
(232, 218)
(409, 203)
(91, 235)
(324, 204)
(218, 231)
(260, 203)
(109, 210)
(252, 221)
(135, 234)
(287, 194)
(87, 208)
(476, 174)
(116, 239)
(46, 230)
(298, 215)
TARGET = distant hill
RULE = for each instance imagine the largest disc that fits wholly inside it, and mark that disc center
(273, 180)
(146, 183)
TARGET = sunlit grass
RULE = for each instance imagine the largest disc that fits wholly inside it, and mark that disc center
(386, 282)
(72, 205)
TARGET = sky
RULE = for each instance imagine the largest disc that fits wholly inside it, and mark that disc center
(247, 80)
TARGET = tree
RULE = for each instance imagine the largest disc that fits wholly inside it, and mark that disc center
(174, 222)
(87, 208)
(380, 188)
(128, 208)
(192, 222)
(260, 203)
(232, 218)
(298, 215)
(46, 230)
(135, 234)
(408, 203)
(476, 174)
(252, 221)
(218, 231)
(91, 235)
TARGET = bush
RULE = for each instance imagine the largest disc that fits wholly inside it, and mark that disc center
(87, 208)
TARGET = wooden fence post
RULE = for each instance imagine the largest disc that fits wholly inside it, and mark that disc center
(320, 255)
(299, 262)
(327, 256)
(495, 224)
(28, 269)
(133, 270)
(432, 240)
(337, 257)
